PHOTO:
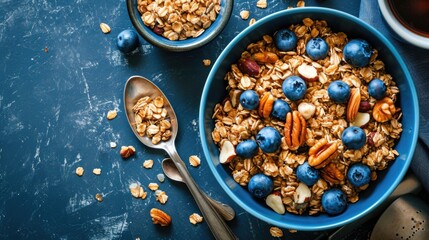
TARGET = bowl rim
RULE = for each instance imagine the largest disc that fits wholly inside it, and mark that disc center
(179, 45)
(218, 63)
(399, 29)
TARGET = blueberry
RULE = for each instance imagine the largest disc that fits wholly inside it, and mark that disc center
(127, 41)
(294, 88)
(377, 89)
(268, 139)
(353, 137)
(260, 185)
(285, 40)
(357, 52)
(247, 148)
(334, 201)
(307, 174)
(339, 91)
(359, 174)
(280, 109)
(317, 48)
(249, 99)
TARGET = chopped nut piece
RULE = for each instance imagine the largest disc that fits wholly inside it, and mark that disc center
(244, 14)
(148, 163)
(300, 4)
(252, 21)
(104, 28)
(276, 232)
(207, 62)
(194, 161)
(79, 171)
(153, 186)
(113, 145)
(137, 191)
(195, 218)
(112, 114)
(99, 197)
(160, 217)
(127, 151)
(161, 177)
(96, 171)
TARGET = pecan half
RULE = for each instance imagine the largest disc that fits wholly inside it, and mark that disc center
(384, 110)
(160, 217)
(295, 130)
(322, 153)
(265, 57)
(353, 104)
(266, 105)
(332, 174)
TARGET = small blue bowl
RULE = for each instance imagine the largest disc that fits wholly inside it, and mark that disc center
(180, 45)
(214, 92)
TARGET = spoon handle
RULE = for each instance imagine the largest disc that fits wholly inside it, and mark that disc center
(217, 225)
(223, 209)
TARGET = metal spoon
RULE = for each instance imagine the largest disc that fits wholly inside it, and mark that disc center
(138, 87)
(223, 209)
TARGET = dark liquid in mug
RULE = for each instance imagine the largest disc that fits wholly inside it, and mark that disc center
(412, 14)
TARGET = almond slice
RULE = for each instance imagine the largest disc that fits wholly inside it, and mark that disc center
(227, 152)
(308, 73)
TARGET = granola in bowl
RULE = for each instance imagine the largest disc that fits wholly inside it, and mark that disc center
(312, 131)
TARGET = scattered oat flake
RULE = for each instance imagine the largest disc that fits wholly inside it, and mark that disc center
(79, 171)
(148, 163)
(161, 196)
(293, 230)
(207, 62)
(252, 21)
(195, 218)
(161, 177)
(99, 197)
(104, 28)
(244, 14)
(194, 161)
(276, 232)
(262, 4)
(137, 191)
(96, 171)
(112, 114)
(300, 4)
(153, 186)
(113, 145)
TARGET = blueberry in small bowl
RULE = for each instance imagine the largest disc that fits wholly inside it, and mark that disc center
(249, 99)
(377, 88)
(247, 148)
(285, 39)
(353, 137)
(280, 109)
(307, 174)
(268, 139)
(260, 185)
(317, 48)
(334, 201)
(359, 174)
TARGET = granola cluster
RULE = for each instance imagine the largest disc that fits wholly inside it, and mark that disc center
(178, 19)
(312, 131)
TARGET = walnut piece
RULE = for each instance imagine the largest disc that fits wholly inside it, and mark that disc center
(384, 110)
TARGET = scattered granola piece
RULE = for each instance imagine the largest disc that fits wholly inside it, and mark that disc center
(137, 191)
(104, 28)
(161, 196)
(293, 230)
(79, 171)
(161, 177)
(195, 218)
(127, 151)
(194, 161)
(153, 186)
(99, 197)
(112, 114)
(207, 62)
(300, 4)
(148, 163)
(252, 21)
(96, 171)
(262, 4)
(113, 145)
(244, 14)
(276, 232)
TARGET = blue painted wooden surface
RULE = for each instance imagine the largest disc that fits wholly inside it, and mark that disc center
(59, 76)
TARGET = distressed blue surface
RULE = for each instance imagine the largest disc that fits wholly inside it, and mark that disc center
(59, 76)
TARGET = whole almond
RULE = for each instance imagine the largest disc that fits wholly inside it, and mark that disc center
(248, 66)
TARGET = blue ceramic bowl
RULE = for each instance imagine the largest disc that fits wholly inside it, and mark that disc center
(214, 92)
(180, 45)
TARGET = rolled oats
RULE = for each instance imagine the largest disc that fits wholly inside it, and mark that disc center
(319, 141)
(244, 14)
(96, 171)
(194, 161)
(178, 20)
(104, 28)
(195, 218)
(148, 163)
(276, 232)
(79, 171)
(111, 114)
